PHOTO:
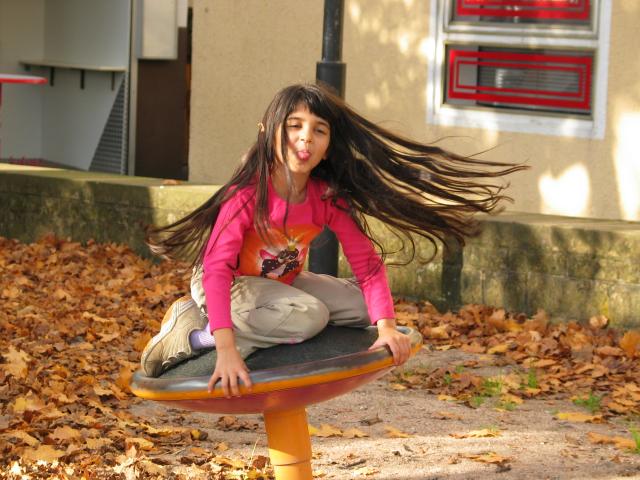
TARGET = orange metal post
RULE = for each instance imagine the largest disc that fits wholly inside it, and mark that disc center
(289, 444)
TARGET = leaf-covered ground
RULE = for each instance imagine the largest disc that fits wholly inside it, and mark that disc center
(73, 320)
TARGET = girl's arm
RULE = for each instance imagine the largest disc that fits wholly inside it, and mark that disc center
(229, 364)
(398, 342)
(219, 263)
(368, 268)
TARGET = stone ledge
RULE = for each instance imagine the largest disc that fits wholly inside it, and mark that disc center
(571, 267)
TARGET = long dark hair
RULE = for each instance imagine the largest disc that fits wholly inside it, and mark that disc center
(416, 190)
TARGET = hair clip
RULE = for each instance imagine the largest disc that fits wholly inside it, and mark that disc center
(260, 127)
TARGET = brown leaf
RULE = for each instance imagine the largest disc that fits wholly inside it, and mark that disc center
(485, 432)
(141, 443)
(142, 341)
(447, 416)
(473, 348)
(259, 462)
(439, 332)
(17, 363)
(197, 434)
(366, 471)
(393, 432)
(325, 430)
(489, 457)
(447, 398)
(222, 447)
(620, 442)
(23, 436)
(501, 348)
(65, 433)
(579, 417)
(97, 443)
(598, 321)
(629, 343)
(47, 453)
(353, 433)
(608, 350)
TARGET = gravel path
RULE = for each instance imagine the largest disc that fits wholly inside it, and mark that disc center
(530, 441)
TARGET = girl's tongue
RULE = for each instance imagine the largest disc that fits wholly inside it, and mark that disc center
(303, 155)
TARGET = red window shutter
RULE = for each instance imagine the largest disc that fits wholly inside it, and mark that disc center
(539, 80)
(537, 9)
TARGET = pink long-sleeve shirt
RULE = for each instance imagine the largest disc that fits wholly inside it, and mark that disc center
(236, 249)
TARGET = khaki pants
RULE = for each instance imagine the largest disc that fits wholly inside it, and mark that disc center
(266, 312)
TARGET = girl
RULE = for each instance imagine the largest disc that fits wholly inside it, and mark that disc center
(315, 162)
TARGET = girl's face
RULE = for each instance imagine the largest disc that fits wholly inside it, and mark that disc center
(308, 138)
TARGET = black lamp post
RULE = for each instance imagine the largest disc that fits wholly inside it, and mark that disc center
(330, 71)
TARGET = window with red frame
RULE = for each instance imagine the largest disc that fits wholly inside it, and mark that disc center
(562, 12)
(542, 80)
(490, 72)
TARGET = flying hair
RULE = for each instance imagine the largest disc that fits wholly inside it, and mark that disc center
(415, 189)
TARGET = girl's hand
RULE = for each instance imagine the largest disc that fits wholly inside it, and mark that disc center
(229, 365)
(398, 342)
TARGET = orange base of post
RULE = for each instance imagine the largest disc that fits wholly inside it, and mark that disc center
(289, 444)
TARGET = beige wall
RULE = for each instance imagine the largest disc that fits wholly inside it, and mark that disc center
(245, 51)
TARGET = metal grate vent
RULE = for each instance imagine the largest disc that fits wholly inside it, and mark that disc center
(111, 154)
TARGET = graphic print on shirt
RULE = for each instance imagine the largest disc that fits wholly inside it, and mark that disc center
(284, 261)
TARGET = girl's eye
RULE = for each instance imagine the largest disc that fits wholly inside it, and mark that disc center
(294, 125)
(321, 131)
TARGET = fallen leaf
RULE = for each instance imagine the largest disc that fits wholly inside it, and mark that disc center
(510, 398)
(141, 341)
(620, 442)
(197, 434)
(490, 457)
(46, 453)
(17, 363)
(229, 462)
(485, 432)
(446, 416)
(629, 343)
(545, 362)
(141, 443)
(65, 433)
(447, 398)
(393, 432)
(439, 332)
(501, 348)
(325, 430)
(366, 471)
(397, 386)
(371, 421)
(598, 321)
(353, 433)
(23, 436)
(97, 443)
(579, 417)
(259, 462)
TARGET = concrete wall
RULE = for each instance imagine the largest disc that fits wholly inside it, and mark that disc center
(245, 51)
(573, 268)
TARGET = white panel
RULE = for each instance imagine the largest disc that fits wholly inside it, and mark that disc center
(21, 35)
(93, 32)
(183, 13)
(158, 30)
(74, 118)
